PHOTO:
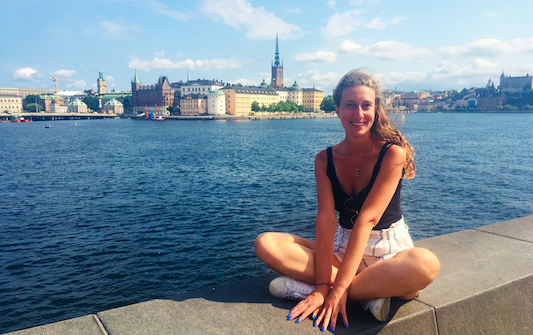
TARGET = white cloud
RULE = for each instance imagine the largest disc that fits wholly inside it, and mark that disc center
(115, 30)
(376, 23)
(244, 82)
(65, 73)
(320, 80)
(331, 3)
(24, 74)
(316, 57)
(341, 24)
(388, 50)
(163, 9)
(165, 63)
(259, 23)
(110, 80)
(79, 84)
(159, 53)
(445, 70)
(397, 20)
(477, 67)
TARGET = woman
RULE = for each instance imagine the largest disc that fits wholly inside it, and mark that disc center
(366, 254)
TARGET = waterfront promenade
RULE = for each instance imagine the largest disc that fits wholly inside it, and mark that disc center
(485, 286)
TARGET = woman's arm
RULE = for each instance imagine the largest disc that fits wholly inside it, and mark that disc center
(326, 224)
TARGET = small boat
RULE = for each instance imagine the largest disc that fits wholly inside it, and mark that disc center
(48, 125)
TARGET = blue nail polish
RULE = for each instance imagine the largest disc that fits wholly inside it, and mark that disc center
(314, 317)
(289, 316)
(314, 324)
(332, 329)
(297, 320)
(323, 328)
(346, 325)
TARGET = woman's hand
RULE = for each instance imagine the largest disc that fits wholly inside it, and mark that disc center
(309, 305)
(335, 304)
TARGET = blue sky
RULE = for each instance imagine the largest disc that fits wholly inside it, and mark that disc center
(411, 45)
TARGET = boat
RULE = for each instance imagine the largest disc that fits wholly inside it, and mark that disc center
(48, 125)
(150, 116)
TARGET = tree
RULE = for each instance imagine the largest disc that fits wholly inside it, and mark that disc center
(301, 108)
(174, 110)
(272, 107)
(255, 106)
(270, 88)
(264, 108)
(92, 103)
(128, 102)
(327, 105)
(33, 107)
(31, 99)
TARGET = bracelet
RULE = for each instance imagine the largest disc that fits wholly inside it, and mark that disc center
(323, 284)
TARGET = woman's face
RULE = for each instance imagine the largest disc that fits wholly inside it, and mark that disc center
(357, 109)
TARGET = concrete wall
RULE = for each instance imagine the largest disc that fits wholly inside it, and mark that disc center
(485, 286)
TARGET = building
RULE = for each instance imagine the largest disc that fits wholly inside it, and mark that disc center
(312, 99)
(277, 70)
(113, 106)
(200, 86)
(77, 106)
(515, 84)
(152, 98)
(239, 99)
(56, 107)
(296, 94)
(193, 104)
(101, 84)
(24, 92)
(10, 104)
(48, 100)
(216, 103)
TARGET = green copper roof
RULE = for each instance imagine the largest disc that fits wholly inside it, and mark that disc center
(216, 92)
(77, 102)
(136, 79)
(295, 87)
(113, 102)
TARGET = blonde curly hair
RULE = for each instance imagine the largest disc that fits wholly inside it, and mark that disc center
(383, 127)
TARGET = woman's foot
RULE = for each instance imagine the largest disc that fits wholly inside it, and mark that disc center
(289, 288)
(379, 307)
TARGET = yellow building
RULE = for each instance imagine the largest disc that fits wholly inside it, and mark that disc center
(193, 104)
(10, 103)
(312, 99)
(239, 99)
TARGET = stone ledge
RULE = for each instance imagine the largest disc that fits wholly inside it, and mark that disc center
(485, 286)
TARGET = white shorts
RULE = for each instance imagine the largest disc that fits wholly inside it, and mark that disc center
(382, 244)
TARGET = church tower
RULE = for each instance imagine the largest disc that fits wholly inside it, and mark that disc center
(101, 84)
(277, 69)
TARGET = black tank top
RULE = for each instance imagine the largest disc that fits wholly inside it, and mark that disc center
(349, 206)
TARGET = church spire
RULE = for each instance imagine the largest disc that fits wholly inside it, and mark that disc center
(276, 63)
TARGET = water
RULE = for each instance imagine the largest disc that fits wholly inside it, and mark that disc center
(103, 213)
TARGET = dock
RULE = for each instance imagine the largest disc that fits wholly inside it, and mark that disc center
(485, 286)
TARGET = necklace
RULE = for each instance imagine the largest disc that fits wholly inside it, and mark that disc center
(362, 160)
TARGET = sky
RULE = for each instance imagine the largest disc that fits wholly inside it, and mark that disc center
(409, 45)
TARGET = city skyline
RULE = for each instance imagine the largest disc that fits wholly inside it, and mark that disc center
(411, 46)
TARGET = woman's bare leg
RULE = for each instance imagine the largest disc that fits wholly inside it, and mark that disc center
(403, 275)
(290, 255)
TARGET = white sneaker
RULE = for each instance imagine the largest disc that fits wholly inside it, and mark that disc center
(288, 288)
(379, 307)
